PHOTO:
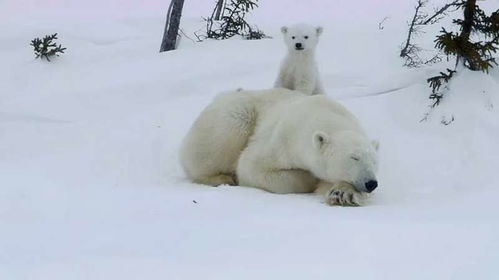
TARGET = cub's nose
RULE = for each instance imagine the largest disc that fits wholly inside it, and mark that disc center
(371, 185)
(298, 45)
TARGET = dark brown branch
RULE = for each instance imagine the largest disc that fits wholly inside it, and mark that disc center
(412, 26)
(469, 12)
(218, 9)
(442, 11)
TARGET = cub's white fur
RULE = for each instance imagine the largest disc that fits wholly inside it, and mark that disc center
(299, 69)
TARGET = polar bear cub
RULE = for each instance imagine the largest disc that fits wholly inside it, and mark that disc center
(249, 138)
(299, 69)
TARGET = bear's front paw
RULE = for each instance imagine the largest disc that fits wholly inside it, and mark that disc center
(344, 194)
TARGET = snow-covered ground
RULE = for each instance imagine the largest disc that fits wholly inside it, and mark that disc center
(91, 188)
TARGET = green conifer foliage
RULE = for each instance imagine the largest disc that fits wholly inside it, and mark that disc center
(233, 22)
(473, 47)
(46, 47)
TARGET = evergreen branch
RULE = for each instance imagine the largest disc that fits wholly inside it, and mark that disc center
(46, 47)
(436, 83)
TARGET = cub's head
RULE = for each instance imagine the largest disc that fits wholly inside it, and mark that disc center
(301, 37)
(348, 156)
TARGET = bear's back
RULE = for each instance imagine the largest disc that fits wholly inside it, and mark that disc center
(315, 112)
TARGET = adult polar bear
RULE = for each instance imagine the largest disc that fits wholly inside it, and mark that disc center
(281, 141)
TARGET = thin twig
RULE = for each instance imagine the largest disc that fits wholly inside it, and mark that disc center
(441, 11)
(380, 24)
(185, 35)
(414, 22)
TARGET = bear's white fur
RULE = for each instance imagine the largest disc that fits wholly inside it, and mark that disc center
(299, 69)
(281, 141)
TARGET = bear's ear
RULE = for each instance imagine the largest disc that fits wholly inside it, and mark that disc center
(320, 139)
(284, 29)
(375, 144)
(319, 30)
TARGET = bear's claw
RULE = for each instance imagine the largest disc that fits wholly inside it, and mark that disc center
(343, 194)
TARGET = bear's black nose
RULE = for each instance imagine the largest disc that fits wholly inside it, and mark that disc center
(371, 185)
(298, 45)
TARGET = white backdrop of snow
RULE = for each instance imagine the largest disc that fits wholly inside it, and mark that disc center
(91, 188)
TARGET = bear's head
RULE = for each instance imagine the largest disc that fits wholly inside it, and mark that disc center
(347, 156)
(301, 38)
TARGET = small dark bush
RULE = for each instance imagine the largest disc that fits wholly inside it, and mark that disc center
(232, 22)
(46, 47)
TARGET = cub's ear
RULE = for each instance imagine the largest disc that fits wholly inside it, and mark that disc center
(375, 144)
(319, 30)
(320, 139)
(284, 29)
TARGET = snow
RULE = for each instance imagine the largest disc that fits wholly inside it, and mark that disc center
(91, 188)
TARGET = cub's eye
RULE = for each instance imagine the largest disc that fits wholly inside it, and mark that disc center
(293, 37)
(306, 37)
(355, 158)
